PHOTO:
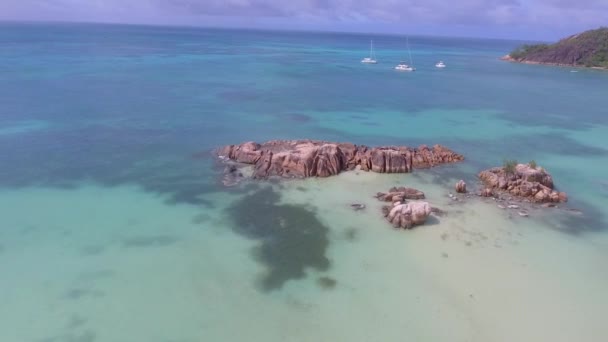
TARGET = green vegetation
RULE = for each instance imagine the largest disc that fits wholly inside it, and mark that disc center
(509, 166)
(589, 49)
(525, 50)
(532, 164)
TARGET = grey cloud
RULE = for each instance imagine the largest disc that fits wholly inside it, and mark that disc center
(576, 4)
(385, 10)
(545, 14)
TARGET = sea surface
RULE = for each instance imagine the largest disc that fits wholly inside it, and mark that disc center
(115, 226)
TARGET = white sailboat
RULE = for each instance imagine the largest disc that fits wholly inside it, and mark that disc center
(440, 64)
(402, 66)
(371, 59)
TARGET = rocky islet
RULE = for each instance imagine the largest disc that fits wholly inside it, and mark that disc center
(315, 158)
(533, 184)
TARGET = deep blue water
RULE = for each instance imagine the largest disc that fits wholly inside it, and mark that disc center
(99, 102)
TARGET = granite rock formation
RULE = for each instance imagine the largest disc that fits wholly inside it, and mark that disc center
(461, 187)
(524, 182)
(407, 215)
(402, 213)
(400, 195)
(313, 158)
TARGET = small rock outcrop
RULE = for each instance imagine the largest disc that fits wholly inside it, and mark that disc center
(461, 187)
(400, 194)
(313, 158)
(524, 182)
(407, 215)
(402, 213)
(487, 192)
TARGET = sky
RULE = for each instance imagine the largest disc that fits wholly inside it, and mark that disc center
(516, 19)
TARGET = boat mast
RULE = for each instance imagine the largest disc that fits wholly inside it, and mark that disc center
(371, 49)
(407, 42)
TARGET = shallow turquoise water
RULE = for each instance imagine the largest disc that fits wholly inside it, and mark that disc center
(114, 227)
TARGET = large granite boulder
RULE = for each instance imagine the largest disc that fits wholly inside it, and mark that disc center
(407, 215)
(403, 213)
(313, 158)
(524, 182)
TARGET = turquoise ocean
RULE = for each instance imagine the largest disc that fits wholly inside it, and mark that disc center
(115, 226)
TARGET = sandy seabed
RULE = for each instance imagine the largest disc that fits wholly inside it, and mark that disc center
(118, 264)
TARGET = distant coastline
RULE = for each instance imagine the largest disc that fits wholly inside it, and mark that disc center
(588, 49)
(508, 58)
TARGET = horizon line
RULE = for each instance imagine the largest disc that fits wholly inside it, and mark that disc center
(259, 29)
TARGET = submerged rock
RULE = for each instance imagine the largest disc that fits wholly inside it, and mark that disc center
(357, 206)
(524, 182)
(487, 192)
(437, 212)
(313, 158)
(232, 175)
(400, 194)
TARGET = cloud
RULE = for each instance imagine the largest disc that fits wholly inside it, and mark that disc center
(382, 10)
(543, 15)
(570, 4)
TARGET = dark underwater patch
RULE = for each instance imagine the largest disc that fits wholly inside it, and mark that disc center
(191, 195)
(30, 228)
(351, 234)
(150, 241)
(370, 123)
(85, 336)
(575, 222)
(604, 189)
(327, 283)
(540, 119)
(111, 156)
(560, 144)
(432, 221)
(483, 153)
(92, 250)
(239, 95)
(201, 218)
(76, 321)
(301, 118)
(291, 238)
(79, 293)
(96, 275)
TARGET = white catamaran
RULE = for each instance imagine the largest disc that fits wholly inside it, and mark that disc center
(371, 59)
(402, 66)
